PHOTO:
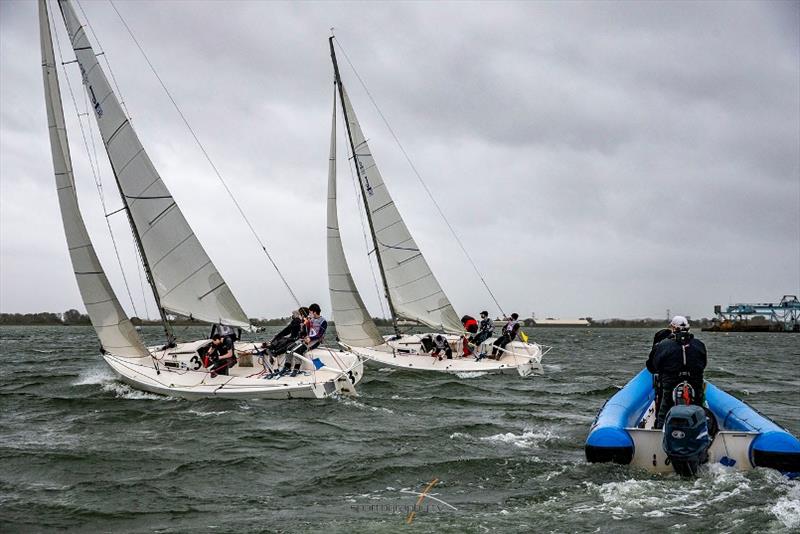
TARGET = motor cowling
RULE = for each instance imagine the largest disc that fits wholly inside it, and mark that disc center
(686, 439)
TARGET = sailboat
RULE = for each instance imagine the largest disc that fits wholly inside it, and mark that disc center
(183, 278)
(410, 287)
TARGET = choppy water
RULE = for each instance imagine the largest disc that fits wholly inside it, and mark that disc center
(81, 451)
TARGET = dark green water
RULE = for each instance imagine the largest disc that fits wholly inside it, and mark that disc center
(83, 452)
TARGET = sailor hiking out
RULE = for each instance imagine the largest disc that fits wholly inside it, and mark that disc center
(312, 334)
(509, 334)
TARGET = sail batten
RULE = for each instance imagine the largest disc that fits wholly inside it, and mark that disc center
(183, 276)
(116, 332)
(354, 326)
(413, 289)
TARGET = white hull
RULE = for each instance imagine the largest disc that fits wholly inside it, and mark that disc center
(170, 372)
(730, 448)
(405, 353)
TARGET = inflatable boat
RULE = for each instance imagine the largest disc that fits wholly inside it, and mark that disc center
(731, 433)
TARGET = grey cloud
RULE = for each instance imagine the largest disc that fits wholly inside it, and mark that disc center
(596, 158)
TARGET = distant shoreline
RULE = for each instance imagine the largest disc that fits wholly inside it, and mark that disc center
(75, 318)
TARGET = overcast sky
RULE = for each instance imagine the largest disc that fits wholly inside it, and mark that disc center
(602, 159)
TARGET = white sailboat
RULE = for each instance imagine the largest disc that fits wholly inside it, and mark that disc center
(183, 278)
(410, 287)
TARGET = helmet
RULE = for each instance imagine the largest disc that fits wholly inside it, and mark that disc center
(679, 322)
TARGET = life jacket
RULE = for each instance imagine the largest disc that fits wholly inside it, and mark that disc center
(511, 328)
(316, 328)
(470, 324)
(487, 325)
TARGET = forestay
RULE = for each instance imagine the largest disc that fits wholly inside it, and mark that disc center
(186, 280)
(117, 335)
(414, 291)
(354, 326)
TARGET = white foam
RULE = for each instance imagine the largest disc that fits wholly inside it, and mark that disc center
(206, 414)
(528, 438)
(657, 497)
(787, 509)
(471, 374)
(349, 401)
(95, 375)
(124, 391)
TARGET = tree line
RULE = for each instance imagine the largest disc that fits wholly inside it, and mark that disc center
(69, 317)
(74, 317)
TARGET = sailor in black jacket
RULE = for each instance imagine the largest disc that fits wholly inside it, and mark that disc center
(678, 358)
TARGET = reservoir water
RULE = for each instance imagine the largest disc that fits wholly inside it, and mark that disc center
(83, 452)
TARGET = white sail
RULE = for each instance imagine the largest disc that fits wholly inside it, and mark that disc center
(186, 280)
(414, 291)
(117, 335)
(354, 326)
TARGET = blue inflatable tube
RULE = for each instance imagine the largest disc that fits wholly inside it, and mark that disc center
(608, 441)
(774, 447)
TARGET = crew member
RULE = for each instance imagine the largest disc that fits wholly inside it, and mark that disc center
(281, 341)
(440, 345)
(471, 326)
(221, 355)
(678, 358)
(315, 327)
(485, 331)
(661, 335)
(510, 331)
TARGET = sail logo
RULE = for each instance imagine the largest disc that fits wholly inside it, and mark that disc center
(95, 103)
(367, 185)
(97, 108)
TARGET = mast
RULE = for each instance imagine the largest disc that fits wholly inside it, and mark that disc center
(338, 82)
(168, 331)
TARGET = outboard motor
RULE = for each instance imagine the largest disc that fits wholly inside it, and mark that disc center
(686, 438)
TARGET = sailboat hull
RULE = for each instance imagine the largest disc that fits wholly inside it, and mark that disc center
(171, 373)
(406, 353)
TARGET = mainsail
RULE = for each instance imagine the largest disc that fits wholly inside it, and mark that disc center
(353, 323)
(414, 292)
(185, 280)
(117, 335)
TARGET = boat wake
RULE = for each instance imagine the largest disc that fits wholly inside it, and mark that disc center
(471, 374)
(787, 509)
(107, 380)
(716, 487)
(95, 376)
(124, 391)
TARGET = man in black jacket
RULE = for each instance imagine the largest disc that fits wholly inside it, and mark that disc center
(221, 354)
(678, 358)
(284, 339)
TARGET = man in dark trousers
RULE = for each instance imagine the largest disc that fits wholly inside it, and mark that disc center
(678, 358)
(509, 334)
(486, 329)
(221, 355)
(291, 333)
(315, 327)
